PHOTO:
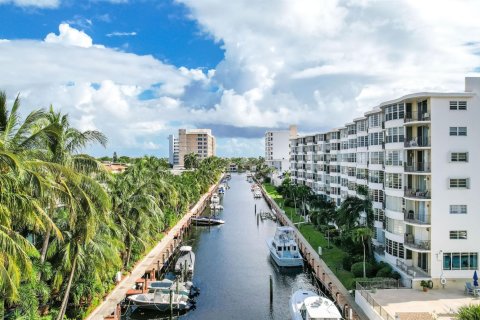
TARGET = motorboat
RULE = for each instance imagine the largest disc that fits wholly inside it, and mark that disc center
(216, 207)
(187, 257)
(222, 188)
(307, 305)
(158, 300)
(206, 221)
(284, 249)
(184, 288)
(257, 194)
(215, 198)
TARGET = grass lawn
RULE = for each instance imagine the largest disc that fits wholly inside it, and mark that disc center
(332, 256)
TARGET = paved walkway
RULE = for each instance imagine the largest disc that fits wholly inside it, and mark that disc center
(108, 306)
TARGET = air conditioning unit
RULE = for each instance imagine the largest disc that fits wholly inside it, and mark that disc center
(426, 115)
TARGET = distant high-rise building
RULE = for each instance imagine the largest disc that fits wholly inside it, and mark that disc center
(172, 150)
(277, 148)
(198, 141)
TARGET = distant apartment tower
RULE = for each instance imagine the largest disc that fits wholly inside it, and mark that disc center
(172, 150)
(417, 156)
(277, 148)
(198, 141)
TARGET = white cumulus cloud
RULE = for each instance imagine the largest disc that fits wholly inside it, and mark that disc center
(33, 3)
(70, 36)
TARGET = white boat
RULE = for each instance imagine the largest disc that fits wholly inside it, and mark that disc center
(160, 301)
(206, 221)
(216, 207)
(284, 249)
(222, 188)
(307, 305)
(165, 285)
(187, 257)
(257, 194)
(215, 199)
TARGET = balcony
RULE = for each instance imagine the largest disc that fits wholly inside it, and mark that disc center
(417, 142)
(416, 219)
(415, 244)
(418, 193)
(413, 117)
(423, 167)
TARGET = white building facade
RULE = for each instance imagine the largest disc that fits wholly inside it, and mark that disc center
(416, 155)
(172, 150)
(277, 148)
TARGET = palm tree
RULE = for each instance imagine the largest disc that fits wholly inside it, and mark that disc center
(191, 161)
(63, 143)
(362, 235)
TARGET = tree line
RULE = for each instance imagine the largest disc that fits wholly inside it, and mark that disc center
(66, 224)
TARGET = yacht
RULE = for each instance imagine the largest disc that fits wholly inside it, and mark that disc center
(307, 305)
(158, 300)
(284, 249)
(215, 199)
(187, 257)
(216, 207)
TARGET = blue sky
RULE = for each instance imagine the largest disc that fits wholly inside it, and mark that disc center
(139, 70)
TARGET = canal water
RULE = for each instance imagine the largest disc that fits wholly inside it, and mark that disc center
(233, 264)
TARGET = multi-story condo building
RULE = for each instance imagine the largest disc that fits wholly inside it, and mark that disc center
(416, 154)
(277, 148)
(198, 141)
(172, 150)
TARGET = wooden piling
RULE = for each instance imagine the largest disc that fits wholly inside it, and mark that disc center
(271, 289)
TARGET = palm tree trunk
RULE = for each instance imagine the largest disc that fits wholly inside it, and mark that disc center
(364, 272)
(129, 253)
(45, 245)
(63, 307)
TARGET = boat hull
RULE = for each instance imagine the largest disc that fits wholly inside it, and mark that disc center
(284, 262)
(207, 221)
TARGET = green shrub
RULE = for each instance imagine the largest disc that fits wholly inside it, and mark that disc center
(385, 272)
(357, 269)
(347, 262)
(395, 275)
(470, 312)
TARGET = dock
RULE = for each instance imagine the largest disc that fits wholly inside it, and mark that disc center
(330, 283)
(157, 257)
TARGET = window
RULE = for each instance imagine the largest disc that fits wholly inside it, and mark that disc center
(394, 111)
(394, 158)
(378, 215)
(394, 203)
(374, 120)
(393, 181)
(395, 226)
(362, 158)
(460, 261)
(458, 131)
(375, 176)
(376, 157)
(458, 105)
(459, 183)
(362, 141)
(458, 235)
(458, 209)
(376, 195)
(459, 157)
(375, 139)
(394, 135)
(362, 125)
(394, 248)
(352, 143)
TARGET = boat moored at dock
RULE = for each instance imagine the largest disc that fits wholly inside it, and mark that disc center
(215, 199)
(187, 257)
(284, 249)
(307, 305)
(158, 300)
(206, 221)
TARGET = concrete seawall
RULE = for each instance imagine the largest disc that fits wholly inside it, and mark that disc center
(320, 269)
(153, 261)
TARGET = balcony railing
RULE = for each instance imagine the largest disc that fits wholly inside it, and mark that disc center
(418, 193)
(417, 218)
(411, 142)
(413, 243)
(409, 117)
(412, 271)
(417, 167)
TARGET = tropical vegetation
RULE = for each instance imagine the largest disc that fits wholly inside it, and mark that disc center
(469, 312)
(344, 233)
(67, 226)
